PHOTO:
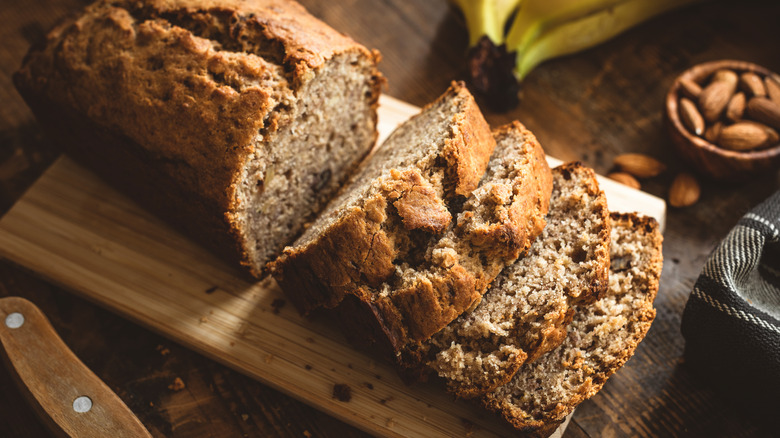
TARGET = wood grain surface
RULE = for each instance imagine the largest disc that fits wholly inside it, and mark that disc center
(74, 230)
(590, 106)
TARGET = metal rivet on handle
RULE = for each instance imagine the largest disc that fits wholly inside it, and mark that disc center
(82, 404)
(14, 320)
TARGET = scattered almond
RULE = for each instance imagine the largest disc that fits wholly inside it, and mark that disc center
(765, 111)
(639, 165)
(685, 190)
(625, 179)
(752, 84)
(746, 135)
(736, 107)
(691, 117)
(690, 88)
(772, 89)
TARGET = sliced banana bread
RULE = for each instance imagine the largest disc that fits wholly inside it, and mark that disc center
(525, 312)
(405, 249)
(601, 337)
(234, 120)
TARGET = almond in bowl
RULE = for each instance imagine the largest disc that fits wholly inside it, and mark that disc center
(724, 118)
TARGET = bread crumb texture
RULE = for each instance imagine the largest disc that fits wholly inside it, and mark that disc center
(600, 339)
(525, 312)
(416, 238)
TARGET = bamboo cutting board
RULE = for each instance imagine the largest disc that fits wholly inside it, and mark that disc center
(73, 229)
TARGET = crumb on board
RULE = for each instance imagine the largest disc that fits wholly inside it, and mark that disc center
(342, 392)
(307, 434)
(177, 385)
(211, 290)
(203, 320)
(277, 305)
(164, 351)
(468, 426)
(269, 358)
(368, 385)
(244, 417)
(308, 367)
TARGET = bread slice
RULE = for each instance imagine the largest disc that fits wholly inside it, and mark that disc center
(234, 120)
(525, 312)
(404, 250)
(601, 337)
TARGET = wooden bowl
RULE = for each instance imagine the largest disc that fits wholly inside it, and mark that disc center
(708, 158)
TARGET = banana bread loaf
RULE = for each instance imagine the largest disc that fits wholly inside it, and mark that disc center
(412, 243)
(601, 338)
(525, 312)
(234, 120)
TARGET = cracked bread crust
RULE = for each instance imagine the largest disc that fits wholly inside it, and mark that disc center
(358, 238)
(395, 283)
(180, 103)
(525, 312)
(601, 337)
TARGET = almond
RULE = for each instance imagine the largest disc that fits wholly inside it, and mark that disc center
(639, 165)
(690, 88)
(625, 179)
(691, 117)
(714, 98)
(725, 75)
(752, 84)
(746, 135)
(765, 111)
(772, 89)
(736, 107)
(712, 132)
(685, 190)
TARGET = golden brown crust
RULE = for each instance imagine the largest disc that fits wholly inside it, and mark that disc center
(468, 152)
(356, 267)
(300, 41)
(517, 226)
(134, 70)
(344, 255)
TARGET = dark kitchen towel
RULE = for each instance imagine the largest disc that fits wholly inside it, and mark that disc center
(731, 322)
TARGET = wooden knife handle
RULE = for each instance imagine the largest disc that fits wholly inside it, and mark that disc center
(69, 397)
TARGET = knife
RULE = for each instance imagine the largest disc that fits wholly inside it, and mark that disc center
(68, 397)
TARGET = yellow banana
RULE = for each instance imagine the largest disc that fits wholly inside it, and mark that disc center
(540, 30)
(538, 16)
(486, 18)
(588, 30)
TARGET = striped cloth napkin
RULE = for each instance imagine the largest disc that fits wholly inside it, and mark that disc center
(731, 322)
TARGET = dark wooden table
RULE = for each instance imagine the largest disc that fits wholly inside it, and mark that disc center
(590, 106)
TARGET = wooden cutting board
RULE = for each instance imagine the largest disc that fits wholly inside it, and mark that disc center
(75, 230)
